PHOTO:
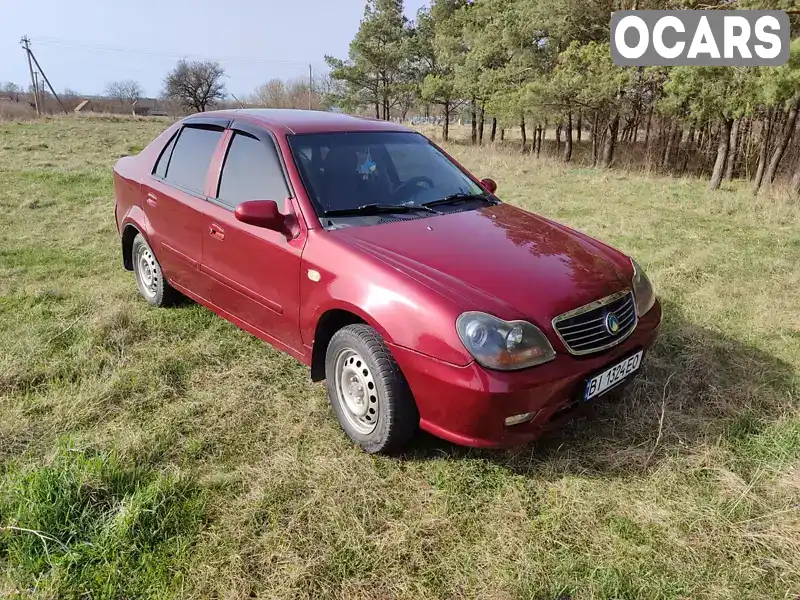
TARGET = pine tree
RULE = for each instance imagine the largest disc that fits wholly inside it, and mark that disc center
(377, 58)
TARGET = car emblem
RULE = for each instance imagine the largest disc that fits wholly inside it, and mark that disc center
(612, 324)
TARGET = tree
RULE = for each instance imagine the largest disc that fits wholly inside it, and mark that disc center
(354, 87)
(437, 49)
(290, 93)
(196, 85)
(9, 87)
(441, 90)
(127, 91)
(271, 94)
(11, 90)
(524, 63)
(70, 98)
(780, 87)
(713, 96)
(377, 59)
(480, 57)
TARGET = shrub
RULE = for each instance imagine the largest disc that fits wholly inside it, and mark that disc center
(16, 111)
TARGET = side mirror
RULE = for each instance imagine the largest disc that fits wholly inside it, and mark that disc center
(261, 213)
(489, 185)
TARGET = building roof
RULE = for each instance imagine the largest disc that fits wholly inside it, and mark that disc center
(309, 121)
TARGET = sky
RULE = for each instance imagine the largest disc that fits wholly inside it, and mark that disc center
(83, 46)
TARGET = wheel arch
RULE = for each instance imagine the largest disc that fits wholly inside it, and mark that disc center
(329, 322)
(129, 233)
(135, 221)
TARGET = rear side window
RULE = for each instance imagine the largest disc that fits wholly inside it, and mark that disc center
(192, 156)
(163, 161)
(252, 171)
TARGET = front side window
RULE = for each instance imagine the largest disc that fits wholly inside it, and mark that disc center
(251, 171)
(353, 173)
(191, 157)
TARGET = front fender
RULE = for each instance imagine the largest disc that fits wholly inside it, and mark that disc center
(309, 327)
(406, 313)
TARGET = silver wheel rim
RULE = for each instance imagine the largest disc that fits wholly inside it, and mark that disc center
(356, 391)
(147, 271)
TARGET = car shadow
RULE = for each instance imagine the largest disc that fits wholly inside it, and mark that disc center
(697, 384)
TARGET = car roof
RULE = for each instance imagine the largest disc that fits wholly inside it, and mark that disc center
(306, 121)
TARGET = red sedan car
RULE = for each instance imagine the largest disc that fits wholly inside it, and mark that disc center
(366, 252)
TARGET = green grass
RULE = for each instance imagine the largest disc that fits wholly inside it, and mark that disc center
(165, 453)
(111, 531)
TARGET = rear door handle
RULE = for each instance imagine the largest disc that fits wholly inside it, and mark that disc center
(151, 199)
(216, 231)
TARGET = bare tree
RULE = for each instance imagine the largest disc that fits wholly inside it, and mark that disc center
(272, 94)
(11, 90)
(290, 93)
(70, 98)
(9, 87)
(197, 85)
(127, 91)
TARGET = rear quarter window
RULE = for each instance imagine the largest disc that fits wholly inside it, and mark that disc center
(160, 170)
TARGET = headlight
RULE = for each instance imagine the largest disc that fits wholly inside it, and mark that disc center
(642, 290)
(503, 345)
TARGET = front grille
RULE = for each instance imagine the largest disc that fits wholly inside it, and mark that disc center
(585, 330)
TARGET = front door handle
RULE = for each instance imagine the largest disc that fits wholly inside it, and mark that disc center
(216, 231)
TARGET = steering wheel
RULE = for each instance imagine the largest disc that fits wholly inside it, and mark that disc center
(406, 189)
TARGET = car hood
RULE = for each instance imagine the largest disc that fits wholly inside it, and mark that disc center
(498, 259)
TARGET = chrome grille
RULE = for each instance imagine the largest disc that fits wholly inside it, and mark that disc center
(584, 330)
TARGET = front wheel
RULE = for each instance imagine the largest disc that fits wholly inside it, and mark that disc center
(367, 390)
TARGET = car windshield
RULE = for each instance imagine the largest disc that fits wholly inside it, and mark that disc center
(349, 174)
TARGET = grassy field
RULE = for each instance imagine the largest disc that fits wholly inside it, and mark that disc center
(164, 453)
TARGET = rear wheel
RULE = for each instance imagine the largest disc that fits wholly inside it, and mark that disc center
(367, 390)
(149, 278)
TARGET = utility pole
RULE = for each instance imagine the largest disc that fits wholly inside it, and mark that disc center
(37, 91)
(237, 100)
(26, 44)
(310, 85)
(46, 80)
(25, 41)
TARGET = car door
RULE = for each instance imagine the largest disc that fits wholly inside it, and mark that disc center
(254, 272)
(174, 196)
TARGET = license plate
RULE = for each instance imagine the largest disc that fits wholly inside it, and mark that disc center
(612, 376)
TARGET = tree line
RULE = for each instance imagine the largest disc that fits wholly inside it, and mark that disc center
(544, 66)
(191, 86)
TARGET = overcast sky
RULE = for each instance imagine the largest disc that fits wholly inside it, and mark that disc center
(83, 46)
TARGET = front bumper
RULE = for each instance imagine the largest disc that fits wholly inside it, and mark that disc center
(468, 405)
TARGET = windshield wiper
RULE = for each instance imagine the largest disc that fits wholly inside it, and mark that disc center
(459, 197)
(376, 209)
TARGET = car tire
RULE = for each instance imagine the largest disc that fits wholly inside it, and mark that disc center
(149, 277)
(368, 392)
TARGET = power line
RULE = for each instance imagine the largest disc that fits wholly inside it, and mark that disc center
(101, 48)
